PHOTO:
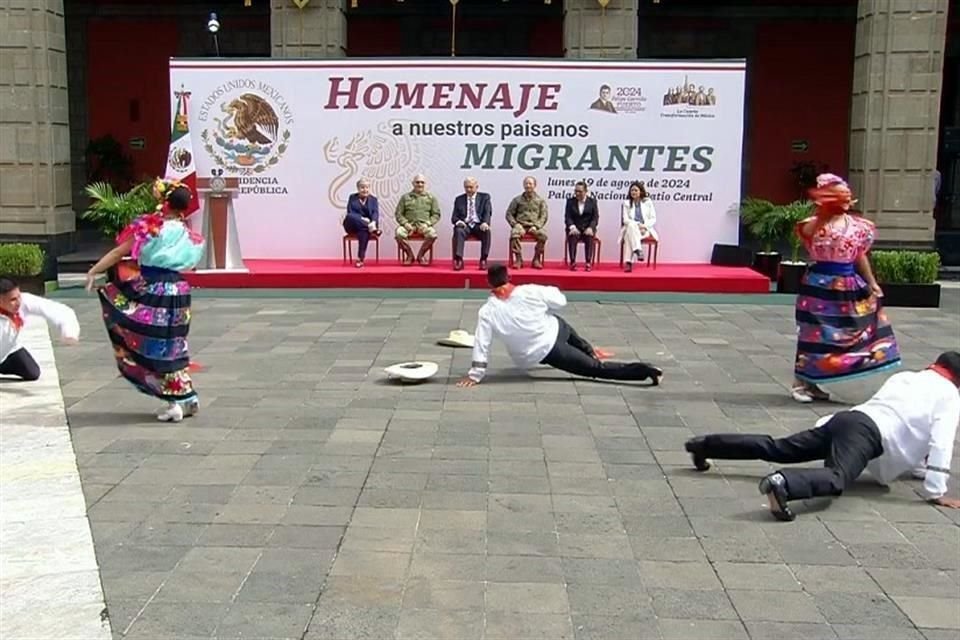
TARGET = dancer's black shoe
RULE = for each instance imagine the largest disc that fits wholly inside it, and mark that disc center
(694, 447)
(774, 486)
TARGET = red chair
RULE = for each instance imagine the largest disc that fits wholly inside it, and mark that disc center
(653, 251)
(597, 247)
(348, 239)
(416, 236)
(526, 238)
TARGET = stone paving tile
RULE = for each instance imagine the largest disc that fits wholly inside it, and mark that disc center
(47, 551)
(938, 613)
(334, 505)
(940, 634)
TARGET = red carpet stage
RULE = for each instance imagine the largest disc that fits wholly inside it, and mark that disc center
(333, 274)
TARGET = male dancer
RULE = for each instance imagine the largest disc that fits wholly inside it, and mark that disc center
(523, 317)
(15, 306)
(913, 415)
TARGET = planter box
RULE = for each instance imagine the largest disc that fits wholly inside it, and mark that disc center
(731, 255)
(791, 273)
(32, 284)
(768, 264)
(911, 295)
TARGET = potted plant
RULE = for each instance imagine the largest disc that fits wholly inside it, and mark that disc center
(107, 162)
(760, 218)
(792, 270)
(805, 175)
(24, 263)
(908, 278)
(112, 211)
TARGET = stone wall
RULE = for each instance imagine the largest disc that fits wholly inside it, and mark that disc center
(35, 192)
(318, 30)
(895, 113)
(591, 32)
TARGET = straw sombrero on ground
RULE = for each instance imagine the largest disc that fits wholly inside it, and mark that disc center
(412, 371)
(457, 338)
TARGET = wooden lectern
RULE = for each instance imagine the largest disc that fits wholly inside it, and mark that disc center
(219, 225)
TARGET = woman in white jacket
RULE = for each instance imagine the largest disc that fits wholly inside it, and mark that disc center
(637, 220)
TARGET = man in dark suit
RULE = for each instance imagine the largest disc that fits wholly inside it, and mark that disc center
(581, 217)
(603, 103)
(363, 218)
(471, 219)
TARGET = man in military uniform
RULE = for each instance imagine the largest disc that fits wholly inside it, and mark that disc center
(417, 212)
(527, 213)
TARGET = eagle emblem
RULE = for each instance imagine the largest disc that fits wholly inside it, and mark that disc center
(248, 139)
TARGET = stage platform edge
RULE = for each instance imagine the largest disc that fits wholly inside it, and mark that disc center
(389, 274)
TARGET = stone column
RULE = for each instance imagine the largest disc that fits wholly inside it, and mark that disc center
(589, 31)
(894, 115)
(318, 30)
(35, 197)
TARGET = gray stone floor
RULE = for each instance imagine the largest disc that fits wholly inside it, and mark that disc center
(49, 579)
(313, 499)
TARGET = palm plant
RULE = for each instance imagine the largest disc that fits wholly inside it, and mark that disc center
(757, 215)
(113, 211)
(771, 223)
(790, 216)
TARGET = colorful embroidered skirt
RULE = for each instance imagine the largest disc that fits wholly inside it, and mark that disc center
(842, 329)
(148, 318)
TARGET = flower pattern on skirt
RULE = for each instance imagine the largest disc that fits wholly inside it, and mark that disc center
(148, 319)
(842, 330)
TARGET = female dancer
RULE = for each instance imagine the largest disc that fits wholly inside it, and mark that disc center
(842, 331)
(148, 315)
(638, 218)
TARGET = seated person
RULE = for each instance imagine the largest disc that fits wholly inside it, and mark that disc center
(417, 212)
(363, 218)
(471, 219)
(581, 217)
(527, 213)
(638, 218)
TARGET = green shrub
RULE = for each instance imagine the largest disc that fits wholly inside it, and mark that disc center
(112, 211)
(772, 223)
(754, 212)
(905, 267)
(790, 216)
(21, 259)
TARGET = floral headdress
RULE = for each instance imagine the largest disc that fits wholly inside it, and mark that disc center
(832, 193)
(162, 189)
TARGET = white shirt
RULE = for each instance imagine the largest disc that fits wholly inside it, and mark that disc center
(57, 314)
(916, 413)
(523, 322)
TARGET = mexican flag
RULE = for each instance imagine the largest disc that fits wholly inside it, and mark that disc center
(180, 158)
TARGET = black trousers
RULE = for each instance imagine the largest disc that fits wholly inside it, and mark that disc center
(573, 354)
(20, 364)
(588, 246)
(846, 444)
(460, 235)
(353, 224)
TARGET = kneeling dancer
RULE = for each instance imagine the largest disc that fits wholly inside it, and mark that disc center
(523, 317)
(15, 307)
(914, 415)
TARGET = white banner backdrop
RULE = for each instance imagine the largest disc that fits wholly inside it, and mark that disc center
(300, 133)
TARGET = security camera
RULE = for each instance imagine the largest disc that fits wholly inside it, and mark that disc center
(213, 25)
